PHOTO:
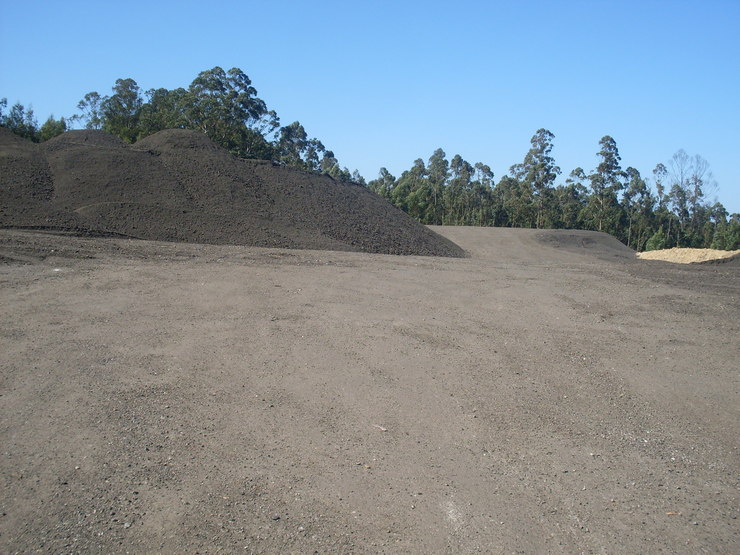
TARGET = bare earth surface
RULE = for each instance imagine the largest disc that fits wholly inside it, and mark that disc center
(549, 393)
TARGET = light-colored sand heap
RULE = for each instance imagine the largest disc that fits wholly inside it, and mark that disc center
(687, 256)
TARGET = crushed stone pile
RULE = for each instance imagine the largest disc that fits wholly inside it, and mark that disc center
(690, 256)
(177, 185)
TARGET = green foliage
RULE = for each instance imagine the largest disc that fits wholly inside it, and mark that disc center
(91, 108)
(537, 172)
(19, 120)
(164, 109)
(602, 212)
(727, 235)
(224, 105)
(383, 185)
(295, 148)
(52, 128)
(637, 209)
(657, 241)
(122, 110)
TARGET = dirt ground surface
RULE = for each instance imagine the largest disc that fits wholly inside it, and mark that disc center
(687, 256)
(549, 393)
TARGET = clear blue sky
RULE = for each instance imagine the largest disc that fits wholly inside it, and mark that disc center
(384, 83)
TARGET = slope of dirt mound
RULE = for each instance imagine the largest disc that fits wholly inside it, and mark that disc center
(27, 186)
(88, 137)
(537, 246)
(90, 169)
(177, 185)
(171, 140)
(690, 256)
(597, 243)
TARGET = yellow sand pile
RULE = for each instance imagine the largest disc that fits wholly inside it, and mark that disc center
(686, 256)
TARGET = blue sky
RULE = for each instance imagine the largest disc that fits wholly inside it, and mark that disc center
(384, 83)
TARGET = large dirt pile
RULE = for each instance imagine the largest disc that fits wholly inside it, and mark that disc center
(177, 185)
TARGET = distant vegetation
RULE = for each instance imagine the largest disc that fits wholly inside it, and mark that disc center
(607, 199)
(224, 106)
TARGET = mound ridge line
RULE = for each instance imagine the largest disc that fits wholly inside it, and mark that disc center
(177, 185)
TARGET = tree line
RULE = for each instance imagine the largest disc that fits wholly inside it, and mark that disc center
(224, 105)
(608, 198)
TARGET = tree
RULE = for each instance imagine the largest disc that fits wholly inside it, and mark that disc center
(91, 107)
(727, 233)
(657, 241)
(164, 109)
(438, 174)
(404, 194)
(121, 111)
(516, 203)
(225, 106)
(328, 162)
(357, 178)
(659, 174)
(571, 199)
(19, 120)
(538, 170)
(458, 195)
(384, 185)
(483, 195)
(52, 128)
(637, 203)
(606, 182)
(293, 147)
(690, 177)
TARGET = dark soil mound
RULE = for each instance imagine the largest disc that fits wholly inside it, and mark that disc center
(177, 185)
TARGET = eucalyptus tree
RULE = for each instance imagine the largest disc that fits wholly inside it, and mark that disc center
(164, 109)
(438, 172)
(406, 194)
(121, 111)
(224, 105)
(572, 198)
(91, 108)
(538, 171)
(52, 127)
(483, 195)
(383, 185)
(637, 204)
(659, 175)
(515, 199)
(606, 181)
(690, 178)
(19, 120)
(328, 162)
(295, 148)
(459, 192)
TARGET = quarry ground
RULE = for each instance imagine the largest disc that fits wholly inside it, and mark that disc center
(548, 393)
